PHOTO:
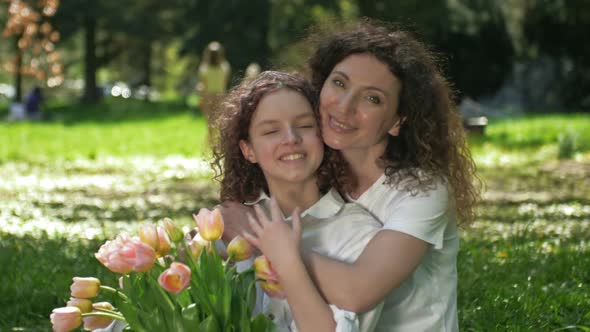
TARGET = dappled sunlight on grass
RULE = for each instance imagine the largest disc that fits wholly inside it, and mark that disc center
(95, 199)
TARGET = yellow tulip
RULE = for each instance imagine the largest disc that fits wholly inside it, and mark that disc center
(210, 224)
(240, 249)
(85, 305)
(264, 270)
(85, 288)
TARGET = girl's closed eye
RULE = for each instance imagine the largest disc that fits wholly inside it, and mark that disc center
(269, 131)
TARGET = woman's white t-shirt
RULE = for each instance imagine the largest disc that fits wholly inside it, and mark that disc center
(427, 300)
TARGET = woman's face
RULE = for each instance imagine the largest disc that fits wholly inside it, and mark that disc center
(358, 104)
(284, 139)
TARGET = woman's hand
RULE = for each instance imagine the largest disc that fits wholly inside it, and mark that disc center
(275, 238)
(233, 218)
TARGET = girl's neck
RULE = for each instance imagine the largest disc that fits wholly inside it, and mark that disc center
(363, 164)
(290, 196)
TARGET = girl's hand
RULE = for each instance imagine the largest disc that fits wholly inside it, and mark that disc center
(276, 239)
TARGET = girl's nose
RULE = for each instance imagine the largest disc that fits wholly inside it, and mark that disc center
(292, 136)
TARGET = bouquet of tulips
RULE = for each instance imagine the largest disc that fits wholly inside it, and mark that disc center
(171, 283)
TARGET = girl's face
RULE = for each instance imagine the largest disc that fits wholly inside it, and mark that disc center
(358, 104)
(284, 139)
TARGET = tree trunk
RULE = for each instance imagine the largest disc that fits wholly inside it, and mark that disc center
(90, 61)
(18, 76)
(147, 67)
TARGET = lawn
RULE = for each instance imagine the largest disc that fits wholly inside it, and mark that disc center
(69, 184)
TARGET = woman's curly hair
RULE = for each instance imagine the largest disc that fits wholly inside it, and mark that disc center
(432, 142)
(240, 179)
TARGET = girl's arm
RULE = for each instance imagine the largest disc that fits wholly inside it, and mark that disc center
(389, 258)
(280, 244)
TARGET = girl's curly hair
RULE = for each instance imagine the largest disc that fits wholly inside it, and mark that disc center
(432, 142)
(241, 180)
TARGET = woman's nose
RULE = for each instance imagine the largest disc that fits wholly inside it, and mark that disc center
(347, 103)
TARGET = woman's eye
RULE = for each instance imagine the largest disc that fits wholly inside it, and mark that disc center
(307, 126)
(269, 132)
(338, 82)
(374, 99)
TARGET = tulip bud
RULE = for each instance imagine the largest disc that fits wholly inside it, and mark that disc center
(240, 249)
(264, 270)
(273, 289)
(176, 278)
(85, 288)
(85, 305)
(65, 319)
(210, 224)
(173, 231)
(98, 322)
(164, 245)
(148, 234)
(196, 245)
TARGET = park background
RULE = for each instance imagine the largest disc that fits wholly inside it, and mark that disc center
(123, 140)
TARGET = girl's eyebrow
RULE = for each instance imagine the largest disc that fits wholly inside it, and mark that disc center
(272, 121)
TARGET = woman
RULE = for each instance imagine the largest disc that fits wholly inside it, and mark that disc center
(388, 109)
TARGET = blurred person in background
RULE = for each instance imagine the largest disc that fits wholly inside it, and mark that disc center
(213, 75)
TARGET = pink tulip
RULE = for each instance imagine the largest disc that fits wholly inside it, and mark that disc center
(264, 270)
(65, 319)
(173, 231)
(85, 305)
(210, 224)
(85, 288)
(273, 289)
(176, 278)
(240, 249)
(98, 322)
(126, 254)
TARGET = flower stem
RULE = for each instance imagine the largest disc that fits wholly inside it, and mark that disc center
(116, 291)
(105, 314)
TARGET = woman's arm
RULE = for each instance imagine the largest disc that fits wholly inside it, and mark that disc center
(280, 244)
(389, 258)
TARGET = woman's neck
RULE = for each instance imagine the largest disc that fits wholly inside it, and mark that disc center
(364, 165)
(290, 196)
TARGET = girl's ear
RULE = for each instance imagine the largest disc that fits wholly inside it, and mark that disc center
(394, 131)
(247, 151)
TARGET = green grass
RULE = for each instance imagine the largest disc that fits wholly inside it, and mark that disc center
(69, 184)
(532, 132)
(117, 127)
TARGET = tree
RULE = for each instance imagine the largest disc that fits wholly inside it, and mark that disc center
(558, 29)
(471, 33)
(34, 42)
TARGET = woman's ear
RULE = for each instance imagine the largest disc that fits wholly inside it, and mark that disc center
(247, 151)
(394, 131)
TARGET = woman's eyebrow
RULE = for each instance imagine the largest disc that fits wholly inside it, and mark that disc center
(368, 87)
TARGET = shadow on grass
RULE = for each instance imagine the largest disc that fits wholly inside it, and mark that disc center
(110, 110)
(118, 110)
